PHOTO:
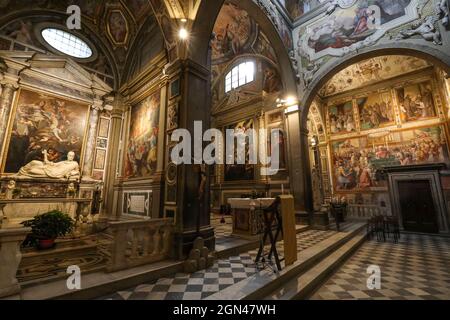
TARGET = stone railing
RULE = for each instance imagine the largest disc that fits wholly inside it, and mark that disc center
(139, 242)
(365, 211)
(10, 256)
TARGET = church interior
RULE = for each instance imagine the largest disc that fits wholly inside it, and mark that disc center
(96, 98)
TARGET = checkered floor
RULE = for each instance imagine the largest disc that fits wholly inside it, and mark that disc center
(199, 285)
(417, 268)
(223, 231)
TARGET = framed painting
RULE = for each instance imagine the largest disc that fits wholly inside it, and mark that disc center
(416, 101)
(100, 157)
(376, 110)
(341, 118)
(142, 147)
(103, 128)
(43, 122)
(235, 171)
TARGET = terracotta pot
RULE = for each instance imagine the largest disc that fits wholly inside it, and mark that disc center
(46, 243)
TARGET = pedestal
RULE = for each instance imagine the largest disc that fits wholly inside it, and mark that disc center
(10, 256)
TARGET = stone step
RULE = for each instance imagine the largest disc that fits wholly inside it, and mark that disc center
(265, 282)
(239, 245)
(306, 283)
(97, 284)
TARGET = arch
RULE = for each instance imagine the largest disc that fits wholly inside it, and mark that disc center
(57, 18)
(331, 68)
(202, 30)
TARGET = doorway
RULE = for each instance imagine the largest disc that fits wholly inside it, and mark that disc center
(417, 206)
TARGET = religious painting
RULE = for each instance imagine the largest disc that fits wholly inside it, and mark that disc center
(297, 8)
(416, 101)
(280, 144)
(142, 148)
(42, 122)
(100, 156)
(103, 128)
(235, 32)
(375, 110)
(370, 71)
(117, 26)
(355, 25)
(341, 117)
(235, 171)
(271, 79)
(357, 162)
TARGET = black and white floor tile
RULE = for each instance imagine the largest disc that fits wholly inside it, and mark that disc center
(416, 268)
(199, 285)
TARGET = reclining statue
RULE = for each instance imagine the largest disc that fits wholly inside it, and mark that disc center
(63, 170)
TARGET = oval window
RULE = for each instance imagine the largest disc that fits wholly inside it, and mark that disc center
(67, 43)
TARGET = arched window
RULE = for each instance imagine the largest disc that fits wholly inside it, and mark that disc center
(240, 75)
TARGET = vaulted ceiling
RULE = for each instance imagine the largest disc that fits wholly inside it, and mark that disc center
(112, 27)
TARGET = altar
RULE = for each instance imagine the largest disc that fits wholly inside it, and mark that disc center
(25, 198)
(244, 212)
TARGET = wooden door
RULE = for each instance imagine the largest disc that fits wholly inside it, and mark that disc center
(417, 206)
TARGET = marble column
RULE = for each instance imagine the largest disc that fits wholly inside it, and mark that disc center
(91, 140)
(114, 151)
(192, 182)
(299, 168)
(9, 86)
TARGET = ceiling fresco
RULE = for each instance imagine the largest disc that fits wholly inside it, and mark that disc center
(371, 71)
(111, 26)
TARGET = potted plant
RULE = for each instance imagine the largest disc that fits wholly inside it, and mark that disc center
(45, 228)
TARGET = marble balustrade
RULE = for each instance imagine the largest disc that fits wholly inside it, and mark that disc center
(139, 242)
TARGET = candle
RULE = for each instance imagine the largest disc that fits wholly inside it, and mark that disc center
(282, 188)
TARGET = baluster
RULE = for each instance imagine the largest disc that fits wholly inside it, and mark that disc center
(156, 241)
(166, 240)
(146, 241)
(118, 247)
(134, 243)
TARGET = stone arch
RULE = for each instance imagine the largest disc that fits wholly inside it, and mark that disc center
(334, 66)
(203, 28)
(87, 30)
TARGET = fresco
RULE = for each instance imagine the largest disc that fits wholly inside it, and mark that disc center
(240, 172)
(366, 20)
(296, 8)
(357, 161)
(416, 101)
(376, 110)
(235, 32)
(371, 71)
(118, 27)
(271, 79)
(43, 122)
(342, 119)
(141, 153)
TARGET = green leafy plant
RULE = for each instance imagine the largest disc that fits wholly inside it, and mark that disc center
(47, 226)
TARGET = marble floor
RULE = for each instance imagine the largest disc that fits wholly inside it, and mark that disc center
(417, 268)
(224, 273)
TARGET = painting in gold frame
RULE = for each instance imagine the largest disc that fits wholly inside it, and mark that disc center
(44, 122)
(142, 147)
